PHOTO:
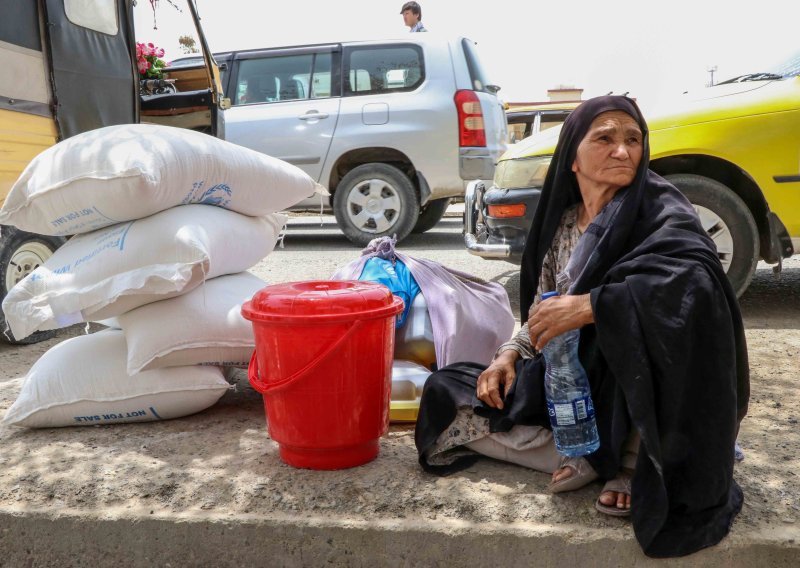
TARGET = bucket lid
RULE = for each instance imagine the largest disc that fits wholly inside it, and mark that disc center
(322, 300)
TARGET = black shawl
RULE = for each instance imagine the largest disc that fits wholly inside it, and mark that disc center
(667, 352)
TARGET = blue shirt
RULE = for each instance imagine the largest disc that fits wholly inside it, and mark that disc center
(418, 27)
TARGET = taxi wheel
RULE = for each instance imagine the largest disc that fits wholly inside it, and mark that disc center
(728, 222)
(375, 200)
(20, 254)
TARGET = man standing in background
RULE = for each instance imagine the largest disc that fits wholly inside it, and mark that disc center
(412, 17)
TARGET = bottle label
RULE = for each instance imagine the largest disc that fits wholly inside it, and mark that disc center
(571, 413)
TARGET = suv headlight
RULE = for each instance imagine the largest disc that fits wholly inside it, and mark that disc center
(521, 172)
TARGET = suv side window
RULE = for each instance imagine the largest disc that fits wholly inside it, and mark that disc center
(375, 70)
(283, 78)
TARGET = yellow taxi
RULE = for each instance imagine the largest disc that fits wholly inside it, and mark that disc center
(527, 119)
(734, 151)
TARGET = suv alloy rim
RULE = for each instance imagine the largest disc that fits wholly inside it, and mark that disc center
(719, 232)
(25, 260)
(373, 206)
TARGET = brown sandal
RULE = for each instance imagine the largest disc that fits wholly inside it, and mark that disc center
(584, 474)
(620, 484)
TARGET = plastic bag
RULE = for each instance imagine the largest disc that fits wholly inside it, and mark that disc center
(470, 316)
(396, 277)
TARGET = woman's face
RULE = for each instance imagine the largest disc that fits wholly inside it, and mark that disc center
(609, 154)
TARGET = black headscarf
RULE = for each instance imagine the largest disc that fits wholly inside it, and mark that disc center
(667, 353)
(560, 189)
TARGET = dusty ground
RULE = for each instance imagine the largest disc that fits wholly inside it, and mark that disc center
(220, 462)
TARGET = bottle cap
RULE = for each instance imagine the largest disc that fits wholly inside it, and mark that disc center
(547, 295)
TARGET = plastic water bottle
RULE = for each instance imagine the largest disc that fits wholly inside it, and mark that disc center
(569, 397)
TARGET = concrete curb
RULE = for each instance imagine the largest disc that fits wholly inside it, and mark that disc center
(29, 538)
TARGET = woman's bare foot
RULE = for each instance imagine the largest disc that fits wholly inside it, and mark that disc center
(563, 473)
(615, 499)
(573, 474)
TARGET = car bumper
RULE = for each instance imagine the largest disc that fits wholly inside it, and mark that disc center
(477, 163)
(503, 237)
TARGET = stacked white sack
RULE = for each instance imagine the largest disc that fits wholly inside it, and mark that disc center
(86, 186)
(203, 327)
(111, 271)
(126, 172)
(83, 381)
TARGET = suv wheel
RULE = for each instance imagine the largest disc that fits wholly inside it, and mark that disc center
(430, 214)
(20, 254)
(375, 200)
(728, 221)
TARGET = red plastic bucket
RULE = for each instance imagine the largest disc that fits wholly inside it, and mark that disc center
(323, 362)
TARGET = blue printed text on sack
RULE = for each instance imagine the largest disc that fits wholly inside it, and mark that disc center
(110, 416)
(218, 195)
(69, 217)
(111, 239)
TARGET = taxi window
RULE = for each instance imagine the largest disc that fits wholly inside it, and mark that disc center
(97, 15)
(551, 119)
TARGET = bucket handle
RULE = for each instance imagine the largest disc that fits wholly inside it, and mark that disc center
(271, 387)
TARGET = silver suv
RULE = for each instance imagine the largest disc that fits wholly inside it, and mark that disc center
(392, 128)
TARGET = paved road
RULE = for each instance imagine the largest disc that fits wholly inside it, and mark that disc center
(314, 248)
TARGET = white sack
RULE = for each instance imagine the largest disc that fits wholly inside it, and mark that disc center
(82, 381)
(111, 271)
(203, 327)
(125, 172)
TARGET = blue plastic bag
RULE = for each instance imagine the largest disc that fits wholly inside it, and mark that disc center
(395, 276)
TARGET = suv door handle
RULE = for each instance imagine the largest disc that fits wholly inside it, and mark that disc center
(313, 115)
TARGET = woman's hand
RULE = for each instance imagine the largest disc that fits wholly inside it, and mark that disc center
(500, 374)
(556, 315)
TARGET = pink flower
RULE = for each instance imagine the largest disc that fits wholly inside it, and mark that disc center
(148, 60)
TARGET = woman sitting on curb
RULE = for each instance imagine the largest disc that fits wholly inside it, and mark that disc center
(661, 340)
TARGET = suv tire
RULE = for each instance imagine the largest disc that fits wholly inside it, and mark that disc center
(430, 214)
(375, 200)
(20, 254)
(728, 222)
